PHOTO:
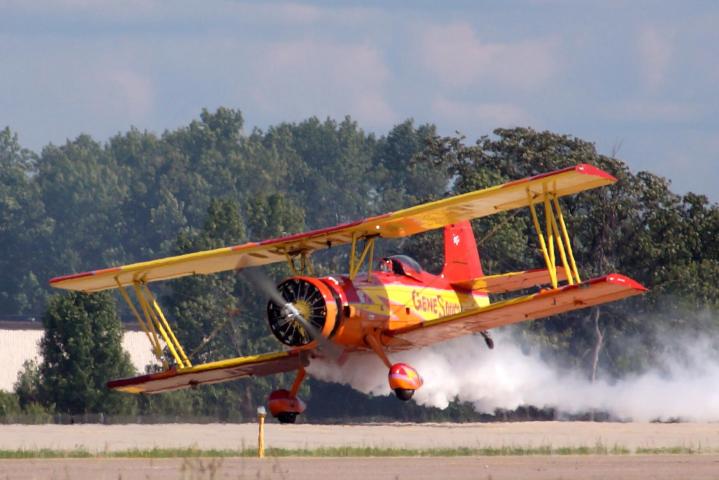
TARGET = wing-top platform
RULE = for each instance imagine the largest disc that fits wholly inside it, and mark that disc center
(402, 223)
(512, 281)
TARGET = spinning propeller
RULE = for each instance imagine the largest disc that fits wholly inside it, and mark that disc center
(297, 311)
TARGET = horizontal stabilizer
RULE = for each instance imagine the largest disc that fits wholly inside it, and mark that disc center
(511, 282)
(215, 372)
(530, 307)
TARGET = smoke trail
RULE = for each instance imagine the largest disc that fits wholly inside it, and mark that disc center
(682, 386)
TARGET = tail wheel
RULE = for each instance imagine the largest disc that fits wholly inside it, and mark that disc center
(403, 394)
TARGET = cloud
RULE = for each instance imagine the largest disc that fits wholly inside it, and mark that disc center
(228, 12)
(65, 86)
(303, 13)
(482, 117)
(286, 12)
(458, 58)
(691, 165)
(310, 77)
(125, 91)
(652, 112)
(655, 48)
(97, 9)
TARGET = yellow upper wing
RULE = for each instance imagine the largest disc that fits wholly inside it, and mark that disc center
(401, 223)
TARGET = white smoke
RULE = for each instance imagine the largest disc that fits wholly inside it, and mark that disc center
(684, 386)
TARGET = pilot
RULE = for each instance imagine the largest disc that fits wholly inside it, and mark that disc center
(386, 265)
(391, 265)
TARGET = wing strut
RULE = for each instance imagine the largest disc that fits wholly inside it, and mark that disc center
(153, 321)
(357, 258)
(305, 264)
(557, 235)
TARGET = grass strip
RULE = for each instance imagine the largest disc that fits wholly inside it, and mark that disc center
(670, 451)
(339, 452)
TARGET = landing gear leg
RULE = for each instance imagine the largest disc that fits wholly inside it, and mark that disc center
(487, 339)
(403, 379)
(286, 405)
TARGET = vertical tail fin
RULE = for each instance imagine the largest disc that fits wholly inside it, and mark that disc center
(461, 257)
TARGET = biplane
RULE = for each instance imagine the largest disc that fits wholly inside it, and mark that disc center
(379, 309)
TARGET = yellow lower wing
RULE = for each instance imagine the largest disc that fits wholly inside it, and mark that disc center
(215, 372)
(530, 307)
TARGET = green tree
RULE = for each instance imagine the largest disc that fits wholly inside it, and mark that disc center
(24, 227)
(329, 167)
(400, 180)
(81, 351)
(9, 405)
(82, 190)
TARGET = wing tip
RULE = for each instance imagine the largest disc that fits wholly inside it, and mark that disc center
(580, 168)
(588, 169)
(134, 384)
(619, 279)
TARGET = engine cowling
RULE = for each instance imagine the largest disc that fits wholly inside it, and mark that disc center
(314, 300)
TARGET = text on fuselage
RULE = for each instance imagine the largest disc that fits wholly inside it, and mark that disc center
(434, 304)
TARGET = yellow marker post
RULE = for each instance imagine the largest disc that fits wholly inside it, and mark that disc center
(261, 412)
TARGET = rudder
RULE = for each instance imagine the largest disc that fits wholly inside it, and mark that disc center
(461, 256)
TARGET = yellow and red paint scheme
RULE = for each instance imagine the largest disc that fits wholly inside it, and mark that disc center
(383, 310)
(363, 312)
(398, 296)
(385, 301)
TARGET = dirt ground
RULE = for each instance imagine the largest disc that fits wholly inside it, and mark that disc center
(704, 436)
(582, 467)
(235, 436)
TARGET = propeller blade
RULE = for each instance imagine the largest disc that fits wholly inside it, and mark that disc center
(257, 277)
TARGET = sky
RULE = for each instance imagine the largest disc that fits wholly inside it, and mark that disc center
(639, 78)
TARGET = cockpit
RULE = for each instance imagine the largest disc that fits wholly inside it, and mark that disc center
(400, 265)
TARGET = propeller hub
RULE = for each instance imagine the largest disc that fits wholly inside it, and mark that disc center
(311, 309)
(302, 307)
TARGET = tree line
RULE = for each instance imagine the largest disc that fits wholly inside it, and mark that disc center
(86, 205)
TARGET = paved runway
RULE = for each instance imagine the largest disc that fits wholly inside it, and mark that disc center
(474, 435)
(101, 438)
(624, 467)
